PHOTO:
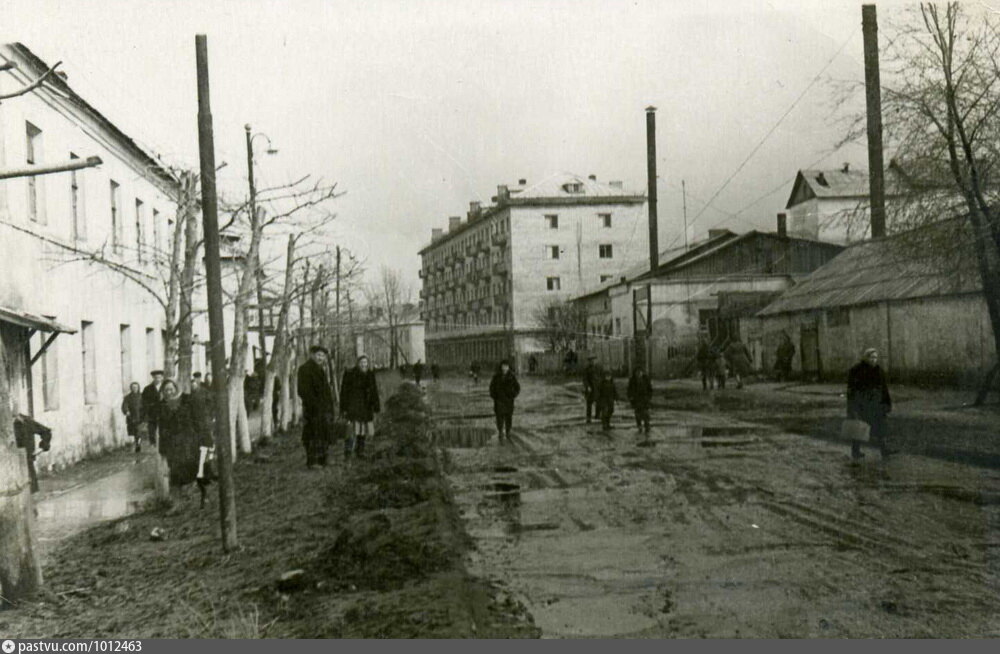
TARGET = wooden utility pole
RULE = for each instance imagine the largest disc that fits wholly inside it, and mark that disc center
(338, 357)
(654, 245)
(213, 274)
(873, 99)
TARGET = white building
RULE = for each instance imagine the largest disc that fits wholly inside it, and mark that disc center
(486, 278)
(111, 327)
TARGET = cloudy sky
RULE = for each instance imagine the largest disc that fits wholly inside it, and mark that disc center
(416, 108)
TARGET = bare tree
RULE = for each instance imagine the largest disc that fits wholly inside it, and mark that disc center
(388, 295)
(941, 111)
(560, 324)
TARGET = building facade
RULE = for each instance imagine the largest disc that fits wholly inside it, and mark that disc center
(107, 327)
(487, 280)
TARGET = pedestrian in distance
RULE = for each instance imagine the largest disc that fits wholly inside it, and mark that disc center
(719, 366)
(184, 443)
(868, 400)
(208, 381)
(532, 364)
(605, 395)
(359, 402)
(317, 407)
(738, 358)
(591, 375)
(783, 358)
(504, 388)
(474, 372)
(418, 371)
(640, 396)
(132, 408)
(435, 371)
(151, 402)
(706, 364)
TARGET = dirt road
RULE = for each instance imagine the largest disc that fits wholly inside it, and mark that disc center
(716, 527)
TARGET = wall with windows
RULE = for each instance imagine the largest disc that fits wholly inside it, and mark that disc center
(50, 228)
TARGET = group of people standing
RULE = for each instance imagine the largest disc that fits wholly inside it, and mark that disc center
(716, 362)
(600, 395)
(359, 402)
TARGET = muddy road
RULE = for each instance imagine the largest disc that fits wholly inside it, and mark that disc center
(715, 527)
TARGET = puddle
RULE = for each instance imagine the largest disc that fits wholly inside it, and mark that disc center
(461, 436)
(503, 487)
(504, 469)
(729, 442)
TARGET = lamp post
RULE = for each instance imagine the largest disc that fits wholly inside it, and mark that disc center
(253, 214)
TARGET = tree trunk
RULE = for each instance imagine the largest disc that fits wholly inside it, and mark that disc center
(185, 335)
(20, 573)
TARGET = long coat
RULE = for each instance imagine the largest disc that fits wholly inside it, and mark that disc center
(132, 408)
(151, 403)
(867, 394)
(317, 402)
(591, 375)
(738, 357)
(605, 394)
(503, 390)
(359, 400)
(640, 391)
(181, 440)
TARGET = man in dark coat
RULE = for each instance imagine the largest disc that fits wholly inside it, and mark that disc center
(151, 402)
(868, 400)
(591, 375)
(418, 371)
(783, 358)
(317, 407)
(504, 388)
(640, 395)
(706, 364)
(359, 402)
(605, 395)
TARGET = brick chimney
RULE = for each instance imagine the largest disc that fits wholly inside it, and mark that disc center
(522, 182)
(592, 178)
(503, 194)
(436, 234)
(454, 222)
(782, 225)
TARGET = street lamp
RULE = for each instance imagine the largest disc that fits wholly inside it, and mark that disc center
(253, 217)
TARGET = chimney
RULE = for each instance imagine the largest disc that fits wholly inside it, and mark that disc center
(592, 178)
(475, 208)
(522, 182)
(503, 194)
(616, 184)
(654, 241)
(782, 225)
(436, 234)
(454, 222)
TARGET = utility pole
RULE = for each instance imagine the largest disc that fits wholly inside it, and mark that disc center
(213, 273)
(684, 196)
(873, 100)
(654, 246)
(338, 358)
(260, 272)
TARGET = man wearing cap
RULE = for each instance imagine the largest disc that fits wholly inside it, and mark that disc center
(317, 407)
(591, 375)
(151, 403)
(868, 400)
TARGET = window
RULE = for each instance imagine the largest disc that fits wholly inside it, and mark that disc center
(125, 347)
(156, 234)
(604, 251)
(552, 251)
(50, 375)
(553, 221)
(89, 362)
(605, 278)
(618, 326)
(76, 204)
(116, 222)
(140, 229)
(838, 317)
(605, 219)
(33, 156)
(151, 349)
(552, 283)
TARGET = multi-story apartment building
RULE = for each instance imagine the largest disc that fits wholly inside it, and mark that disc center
(107, 326)
(487, 278)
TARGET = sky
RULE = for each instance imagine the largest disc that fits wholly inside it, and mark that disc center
(414, 109)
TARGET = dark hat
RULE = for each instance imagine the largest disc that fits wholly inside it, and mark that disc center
(155, 372)
(197, 375)
(318, 348)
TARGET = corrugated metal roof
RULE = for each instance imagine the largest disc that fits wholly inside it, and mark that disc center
(879, 271)
(31, 321)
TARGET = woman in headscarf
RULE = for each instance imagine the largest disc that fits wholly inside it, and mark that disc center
(132, 408)
(868, 400)
(185, 442)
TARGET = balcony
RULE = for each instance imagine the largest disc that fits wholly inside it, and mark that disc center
(421, 274)
(423, 294)
(483, 245)
(500, 268)
(499, 238)
(470, 249)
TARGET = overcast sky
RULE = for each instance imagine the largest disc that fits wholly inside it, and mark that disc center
(416, 108)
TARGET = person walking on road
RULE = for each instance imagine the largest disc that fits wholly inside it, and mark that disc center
(317, 407)
(435, 371)
(132, 408)
(868, 400)
(418, 371)
(183, 437)
(738, 358)
(504, 388)
(605, 395)
(783, 358)
(151, 403)
(706, 364)
(640, 395)
(719, 368)
(591, 375)
(359, 402)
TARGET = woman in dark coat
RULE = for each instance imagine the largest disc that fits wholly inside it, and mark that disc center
(183, 437)
(640, 395)
(359, 402)
(605, 395)
(504, 388)
(738, 358)
(719, 363)
(868, 400)
(132, 408)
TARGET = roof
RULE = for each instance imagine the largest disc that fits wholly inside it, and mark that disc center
(882, 270)
(843, 183)
(150, 161)
(31, 321)
(569, 186)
